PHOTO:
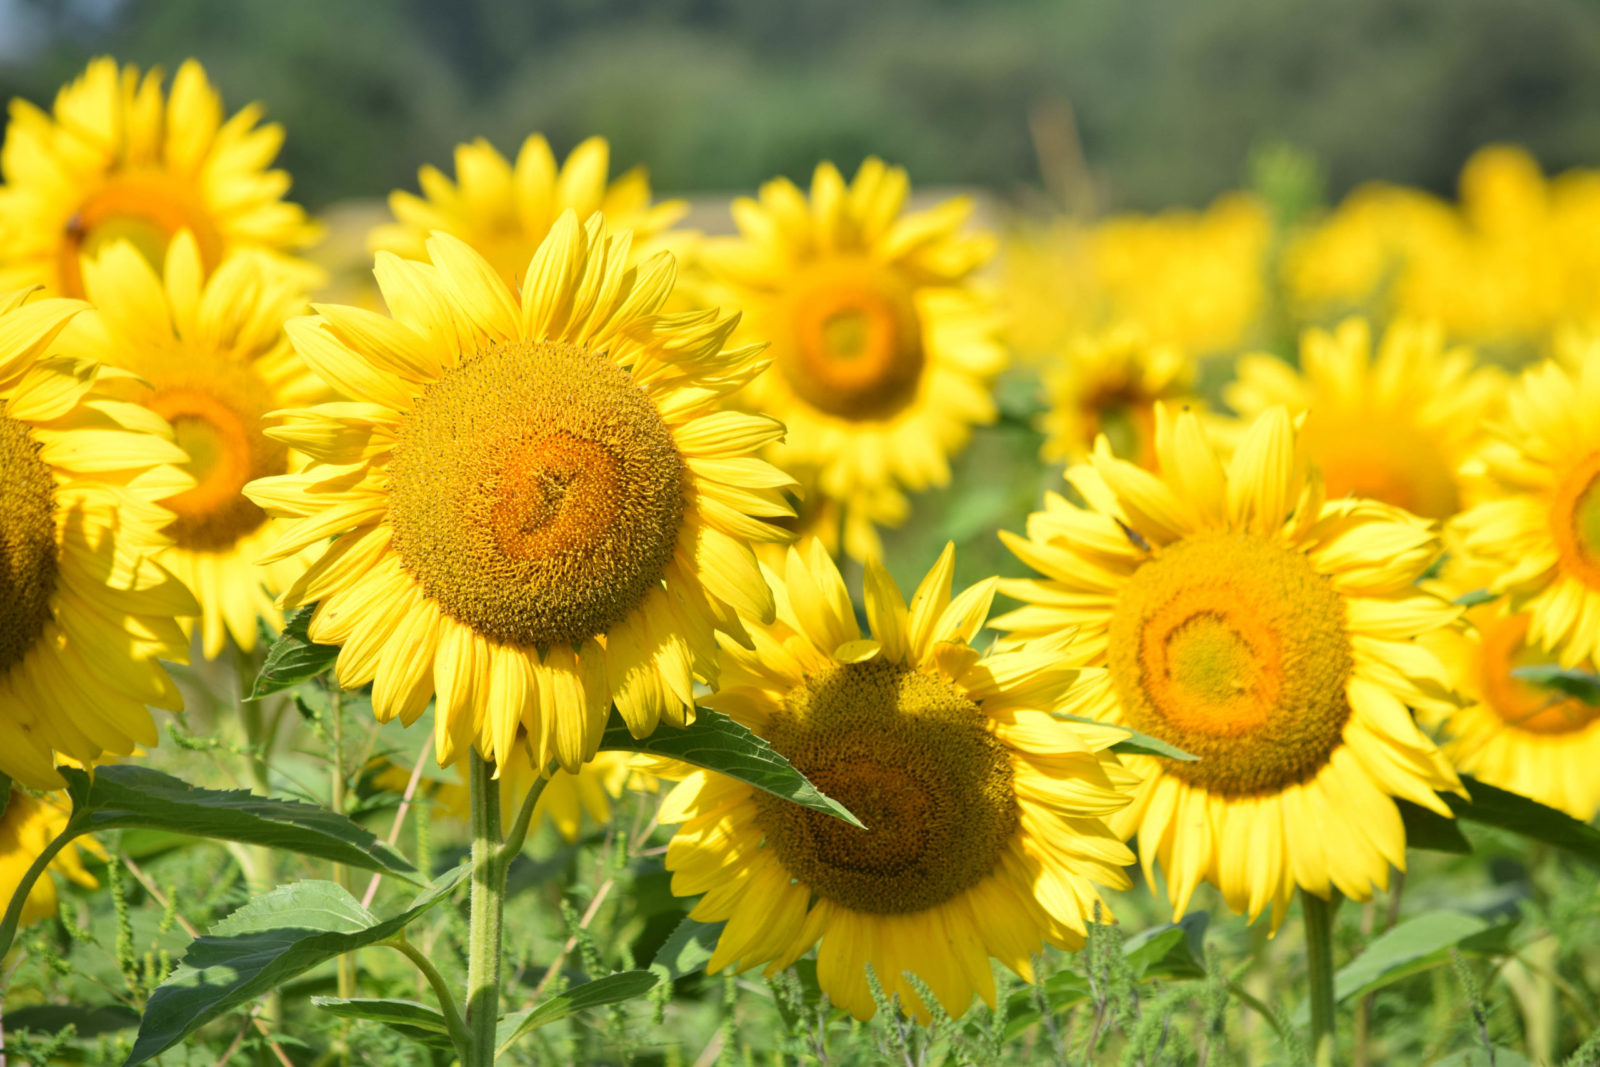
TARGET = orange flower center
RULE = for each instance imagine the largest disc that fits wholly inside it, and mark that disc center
(28, 560)
(147, 209)
(851, 344)
(1231, 647)
(1521, 704)
(1378, 456)
(1575, 520)
(910, 757)
(536, 494)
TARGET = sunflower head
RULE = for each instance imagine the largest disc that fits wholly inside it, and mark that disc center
(118, 160)
(537, 509)
(1108, 383)
(983, 814)
(1235, 613)
(1393, 425)
(87, 610)
(883, 344)
(1538, 522)
(505, 209)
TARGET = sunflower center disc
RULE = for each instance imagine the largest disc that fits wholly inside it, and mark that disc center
(27, 541)
(145, 209)
(1371, 455)
(1231, 647)
(911, 759)
(1575, 521)
(536, 494)
(1522, 705)
(854, 342)
(216, 419)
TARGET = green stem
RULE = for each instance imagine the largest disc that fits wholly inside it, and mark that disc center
(459, 1035)
(346, 966)
(518, 833)
(41, 863)
(1319, 963)
(488, 906)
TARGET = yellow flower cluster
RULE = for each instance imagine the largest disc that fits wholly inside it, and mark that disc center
(543, 481)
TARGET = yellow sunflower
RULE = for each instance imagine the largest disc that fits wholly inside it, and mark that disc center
(87, 610)
(28, 824)
(1538, 523)
(1395, 425)
(1512, 733)
(883, 345)
(986, 815)
(213, 360)
(537, 507)
(117, 161)
(1108, 382)
(1241, 617)
(505, 210)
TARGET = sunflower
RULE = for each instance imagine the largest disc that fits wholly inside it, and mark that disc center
(1538, 523)
(212, 359)
(986, 814)
(1513, 733)
(28, 824)
(1108, 382)
(537, 507)
(1240, 617)
(87, 610)
(1394, 426)
(505, 210)
(116, 161)
(883, 345)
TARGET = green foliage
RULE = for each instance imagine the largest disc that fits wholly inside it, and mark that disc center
(611, 989)
(1579, 684)
(1491, 806)
(293, 658)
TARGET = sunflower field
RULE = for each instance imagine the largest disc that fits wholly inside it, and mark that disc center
(829, 617)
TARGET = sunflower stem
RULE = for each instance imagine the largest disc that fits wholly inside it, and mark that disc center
(1319, 963)
(488, 907)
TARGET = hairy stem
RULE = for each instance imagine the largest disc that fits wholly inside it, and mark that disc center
(1319, 963)
(459, 1035)
(488, 906)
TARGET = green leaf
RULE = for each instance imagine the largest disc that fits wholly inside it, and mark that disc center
(1429, 830)
(262, 945)
(1135, 744)
(1417, 944)
(122, 796)
(1579, 684)
(612, 989)
(293, 657)
(90, 1022)
(417, 1022)
(1176, 950)
(717, 743)
(1475, 597)
(688, 949)
(1061, 991)
(1504, 810)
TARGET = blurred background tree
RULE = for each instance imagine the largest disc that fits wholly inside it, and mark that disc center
(1167, 96)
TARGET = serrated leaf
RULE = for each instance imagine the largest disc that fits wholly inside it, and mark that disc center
(259, 947)
(293, 658)
(408, 1018)
(612, 989)
(1578, 684)
(1135, 744)
(1504, 810)
(688, 949)
(1176, 950)
(717, 743)
(1429, 830)
(123, 796)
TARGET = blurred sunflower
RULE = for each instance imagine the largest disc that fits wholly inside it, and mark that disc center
(505, 210)
(985, 814)
(116, 161)
(883, 345)
(1109, 382)
(537, 508)
(1245, 620)
(1538, 524)
(1394, 426)
(87, 611)
(1511, 733)
(28, 824)
(213, 360)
